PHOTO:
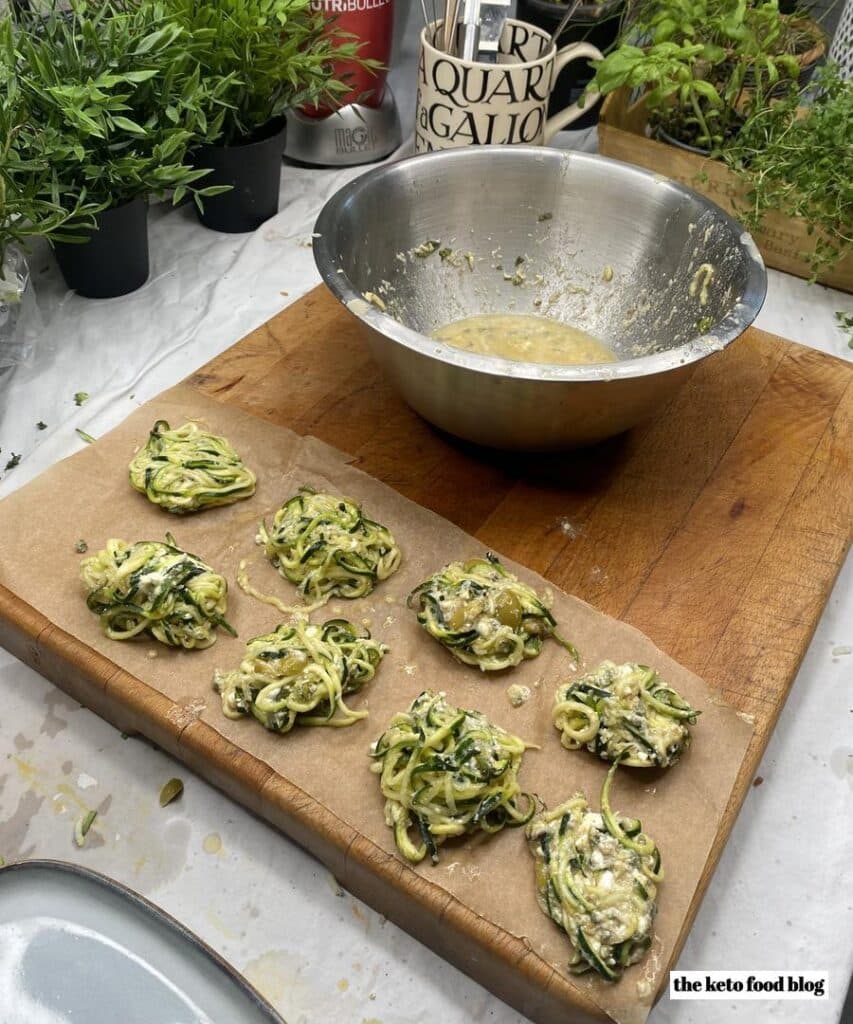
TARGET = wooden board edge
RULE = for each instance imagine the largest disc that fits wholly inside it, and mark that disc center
(501, 962)
(752, 759)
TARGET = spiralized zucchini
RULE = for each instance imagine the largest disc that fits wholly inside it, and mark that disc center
(155, 588)
(625, 713)
(299, 674)
(328, 548)
(186, 469)
(445, 772)
(596, 877)
(484, 615)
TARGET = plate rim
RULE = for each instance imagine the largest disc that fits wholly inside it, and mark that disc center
(162, 917)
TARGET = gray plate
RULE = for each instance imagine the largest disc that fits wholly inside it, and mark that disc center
(78, 947)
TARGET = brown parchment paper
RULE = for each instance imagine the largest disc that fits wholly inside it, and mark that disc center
(88, 497)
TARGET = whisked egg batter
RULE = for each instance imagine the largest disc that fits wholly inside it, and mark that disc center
(529, 339)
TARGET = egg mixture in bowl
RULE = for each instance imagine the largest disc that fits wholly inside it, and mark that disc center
(531, 299)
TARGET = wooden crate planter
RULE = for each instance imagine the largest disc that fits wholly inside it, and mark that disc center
(782, 240)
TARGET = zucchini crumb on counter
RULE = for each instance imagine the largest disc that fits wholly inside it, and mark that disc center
(187, 469)
(327, 547)
(596, 878)
(484, 615)
(299, 675)
(446, 772)
(624, 712)
(155, 588)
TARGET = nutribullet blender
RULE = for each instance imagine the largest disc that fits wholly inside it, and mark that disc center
(364, 125)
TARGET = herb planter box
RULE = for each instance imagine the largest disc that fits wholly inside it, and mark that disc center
(782, 240)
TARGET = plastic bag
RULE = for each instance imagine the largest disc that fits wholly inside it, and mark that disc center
(20, 321)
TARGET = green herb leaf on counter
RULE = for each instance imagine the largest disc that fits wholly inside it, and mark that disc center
(845, 325)
(82, 827)
(41, 425)
(13, 461)
(171, 791)
(81, 547)
(86, 437)
(80, 397)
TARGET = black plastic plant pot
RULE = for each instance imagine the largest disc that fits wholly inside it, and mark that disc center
(253, 169)
(664, 136)
(600, 31)
(114, 259)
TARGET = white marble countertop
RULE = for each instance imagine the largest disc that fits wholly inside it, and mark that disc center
(781, 894)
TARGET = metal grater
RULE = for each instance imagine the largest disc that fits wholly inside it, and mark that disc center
(493, 14)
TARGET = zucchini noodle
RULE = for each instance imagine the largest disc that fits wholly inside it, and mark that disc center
(274, 602)
(328, 548)
(625, 713)
(446, 772)
(299, 674)
(186, 469)
(597, 878)
(484, 615)
(155, 588)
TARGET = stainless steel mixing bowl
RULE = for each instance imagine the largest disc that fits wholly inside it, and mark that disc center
(660, 273)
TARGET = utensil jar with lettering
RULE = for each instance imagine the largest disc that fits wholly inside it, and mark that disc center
(463, 103)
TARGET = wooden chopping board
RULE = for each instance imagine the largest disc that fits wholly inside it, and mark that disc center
(717, 530)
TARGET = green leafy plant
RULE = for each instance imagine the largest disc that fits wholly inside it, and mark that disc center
(705, 64)
(799, 160)
(27, 204)
(274, 54)
(115, 99)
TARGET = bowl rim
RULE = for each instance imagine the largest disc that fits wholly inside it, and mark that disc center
(736, 321)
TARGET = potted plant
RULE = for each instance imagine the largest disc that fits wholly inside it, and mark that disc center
(595, 21)
(274, 54)
(115, 101)
(27, 210)
(806, 40)
(799, 161)
(704, 66)
(718, 103)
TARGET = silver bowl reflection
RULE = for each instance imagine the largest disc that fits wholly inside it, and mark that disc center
(659, 273)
